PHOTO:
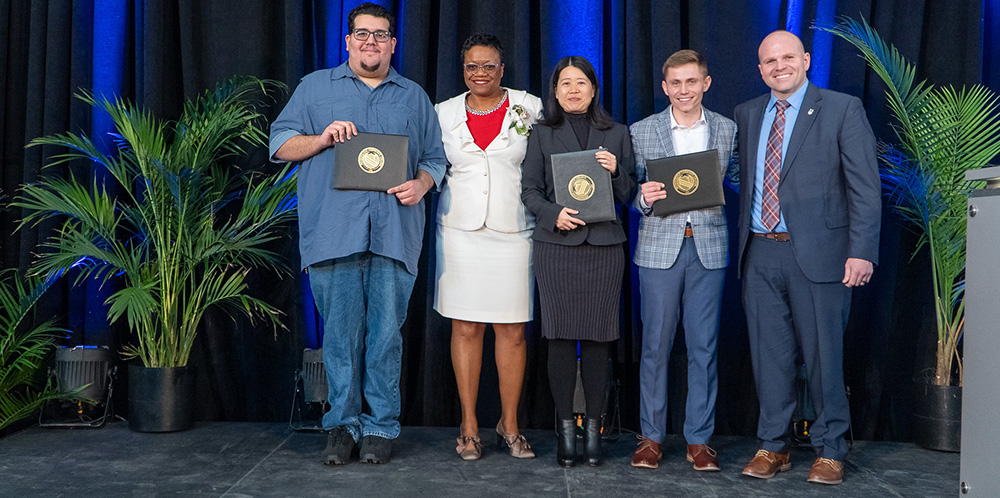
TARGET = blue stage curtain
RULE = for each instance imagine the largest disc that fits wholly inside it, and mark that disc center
(159, 52)
(991, 44)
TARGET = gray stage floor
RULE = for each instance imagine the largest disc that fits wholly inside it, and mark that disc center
(267, 460)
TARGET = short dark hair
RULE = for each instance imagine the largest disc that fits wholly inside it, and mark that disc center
(371, 9)
(482, 40)
(554, 113)
(682, 57)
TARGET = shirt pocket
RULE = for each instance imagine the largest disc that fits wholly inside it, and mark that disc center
(395, 119)
(325, 111)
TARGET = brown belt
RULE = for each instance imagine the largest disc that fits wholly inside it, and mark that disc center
(688, 232)
(776, 236)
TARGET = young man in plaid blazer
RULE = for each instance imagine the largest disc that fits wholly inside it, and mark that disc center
(682, 263)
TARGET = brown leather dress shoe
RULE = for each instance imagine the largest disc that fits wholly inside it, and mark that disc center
(703, 457)
(647, 455)
(767, 463)
(827, 471)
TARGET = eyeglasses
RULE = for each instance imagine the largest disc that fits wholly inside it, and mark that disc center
(362, 34)
(473, 68)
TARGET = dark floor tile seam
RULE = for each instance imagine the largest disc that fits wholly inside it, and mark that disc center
(708, 482)
(257, 465)
(10, 437)
(871, 475)
(569, 492)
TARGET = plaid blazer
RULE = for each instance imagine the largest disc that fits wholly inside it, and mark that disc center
(660, 238)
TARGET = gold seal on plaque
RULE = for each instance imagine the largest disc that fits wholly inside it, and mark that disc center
(371, 160)
(686, 182)
(581, 187)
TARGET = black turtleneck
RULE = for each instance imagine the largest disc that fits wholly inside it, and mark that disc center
(581, 127)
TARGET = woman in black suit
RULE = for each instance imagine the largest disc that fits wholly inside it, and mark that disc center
(578, 266)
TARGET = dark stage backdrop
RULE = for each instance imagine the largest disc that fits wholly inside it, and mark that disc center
(159, 52)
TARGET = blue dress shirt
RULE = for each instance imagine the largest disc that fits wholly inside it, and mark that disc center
(791, 114)
(338, 223)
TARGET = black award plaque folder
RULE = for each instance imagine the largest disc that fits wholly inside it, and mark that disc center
(692, 181)
(370, 161)
(582, 184)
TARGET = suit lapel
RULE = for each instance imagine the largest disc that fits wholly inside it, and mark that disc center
(664, 134)
(465, 136)
(810, 109)
(713, 130)
(753, 136)
(565, 135)
(595, 139)
(713, 140)
(502, 139)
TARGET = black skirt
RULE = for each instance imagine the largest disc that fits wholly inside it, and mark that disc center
(580, 290)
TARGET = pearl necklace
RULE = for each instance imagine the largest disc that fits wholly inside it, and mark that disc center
(484, 113)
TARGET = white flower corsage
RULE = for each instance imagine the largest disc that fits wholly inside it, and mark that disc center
(520, 121)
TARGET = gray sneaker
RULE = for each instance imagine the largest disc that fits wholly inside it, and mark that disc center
(339, 447)
(375, 449)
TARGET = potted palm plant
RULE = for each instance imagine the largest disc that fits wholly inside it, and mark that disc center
(177, 229)
(24, 346)
(942, 132)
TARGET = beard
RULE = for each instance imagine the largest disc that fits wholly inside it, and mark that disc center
(370, 68)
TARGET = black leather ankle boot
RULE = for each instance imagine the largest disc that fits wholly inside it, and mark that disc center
(592, 442)
(566, 453)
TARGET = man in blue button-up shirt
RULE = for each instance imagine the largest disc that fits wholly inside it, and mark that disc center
(360, 248)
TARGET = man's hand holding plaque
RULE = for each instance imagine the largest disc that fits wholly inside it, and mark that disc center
(652, 192)
(339, 132)
(370, 161)
(684, 183)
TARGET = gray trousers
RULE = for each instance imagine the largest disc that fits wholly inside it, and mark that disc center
(785, 311)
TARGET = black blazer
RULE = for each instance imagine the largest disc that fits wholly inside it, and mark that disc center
(536, 182)
(829, 190)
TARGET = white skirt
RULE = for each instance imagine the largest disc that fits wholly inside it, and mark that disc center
(484, 276)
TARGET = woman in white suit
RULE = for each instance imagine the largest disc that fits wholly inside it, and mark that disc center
(484, 237)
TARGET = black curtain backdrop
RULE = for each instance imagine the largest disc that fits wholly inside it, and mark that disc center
(172, 50)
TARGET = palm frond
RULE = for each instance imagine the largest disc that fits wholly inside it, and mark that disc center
(184, 223)
(943, 133)
(24, 347)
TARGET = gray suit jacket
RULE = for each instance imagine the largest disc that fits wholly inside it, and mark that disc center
(829, 192)
(536, 182)
(660, 239)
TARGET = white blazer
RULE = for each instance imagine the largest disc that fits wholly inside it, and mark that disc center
(483, 187)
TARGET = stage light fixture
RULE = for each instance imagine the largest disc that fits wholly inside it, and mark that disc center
(804, 414)
(310, 400)
(89, 367)
(611, 429)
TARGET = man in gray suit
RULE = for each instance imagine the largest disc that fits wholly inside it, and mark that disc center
(809, 227)
(682, 263)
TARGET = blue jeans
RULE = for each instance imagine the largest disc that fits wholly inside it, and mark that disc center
(363, 300)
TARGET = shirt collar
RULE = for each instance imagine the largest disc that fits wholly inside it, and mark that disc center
(344, 71)
(795, 100)
(674, 125)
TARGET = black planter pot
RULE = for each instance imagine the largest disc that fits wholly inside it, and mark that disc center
(160, 399)
(937, 417)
